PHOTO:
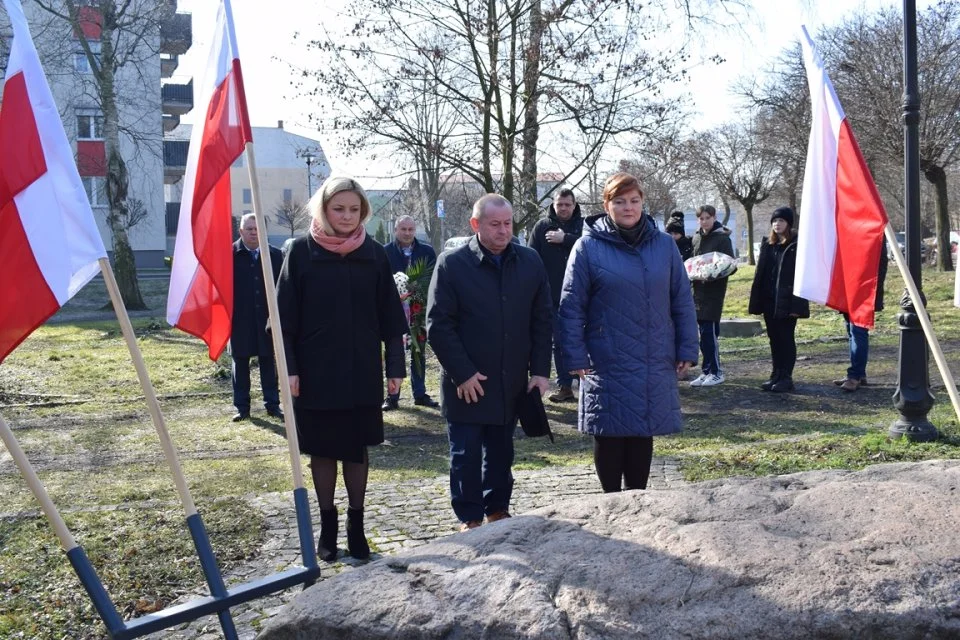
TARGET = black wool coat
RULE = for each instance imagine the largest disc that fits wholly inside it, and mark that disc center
(248, 333)
(778, 267)
(336, 312)
(495, 320)
(708, 297)
(555, 256)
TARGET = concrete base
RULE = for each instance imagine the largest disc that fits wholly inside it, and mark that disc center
(740, 328)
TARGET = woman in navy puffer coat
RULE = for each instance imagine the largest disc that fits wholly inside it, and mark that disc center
(628, 327)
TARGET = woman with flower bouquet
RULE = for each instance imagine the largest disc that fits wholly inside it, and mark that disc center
(339, 307)
(412, 264)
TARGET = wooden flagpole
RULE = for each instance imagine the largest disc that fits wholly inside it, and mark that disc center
(301, 501)
(938, 356)
(169, 450)
(201, 541)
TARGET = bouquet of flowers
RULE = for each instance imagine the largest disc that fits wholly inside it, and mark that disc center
(412, 286)
(710, 266)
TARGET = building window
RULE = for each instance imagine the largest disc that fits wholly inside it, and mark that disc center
(287, 196)
(246, 196)
(89, 127)
(96, 188)
(80, 61)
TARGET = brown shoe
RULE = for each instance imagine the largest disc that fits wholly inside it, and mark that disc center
(498, 515)
(562, 394)
(473, 524)
(850, 384)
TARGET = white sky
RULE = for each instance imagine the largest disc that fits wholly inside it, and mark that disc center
(266, 45)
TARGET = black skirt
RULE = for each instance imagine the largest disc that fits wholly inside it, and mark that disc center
(342, 434)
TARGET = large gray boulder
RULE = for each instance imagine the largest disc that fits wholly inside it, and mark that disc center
(870, 554)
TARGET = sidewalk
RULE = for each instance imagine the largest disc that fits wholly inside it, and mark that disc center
(398, 516)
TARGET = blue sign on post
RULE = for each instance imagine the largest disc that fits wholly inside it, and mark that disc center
(440, 212)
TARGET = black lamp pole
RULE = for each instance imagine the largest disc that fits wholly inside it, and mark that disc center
(912, 398)
(309, 159)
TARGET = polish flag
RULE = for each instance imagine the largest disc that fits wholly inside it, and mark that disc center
(200, 300)
(49, 242)
(841, 215)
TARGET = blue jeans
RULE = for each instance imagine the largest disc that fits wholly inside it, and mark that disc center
(268, 383)
(859, 351)
(564, 379)
(710, 347)
(481, 456)
(417, 382)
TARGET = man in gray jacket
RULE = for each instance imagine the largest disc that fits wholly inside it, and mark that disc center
(489, 317)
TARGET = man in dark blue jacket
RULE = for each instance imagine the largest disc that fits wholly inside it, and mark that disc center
(553, 238)
(248, 336)
(404, 251)
(489, 318)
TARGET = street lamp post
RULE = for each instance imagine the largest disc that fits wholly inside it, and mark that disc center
(309, 157)
(912, 398)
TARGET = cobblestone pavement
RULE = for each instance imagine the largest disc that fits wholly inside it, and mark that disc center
(398, 516)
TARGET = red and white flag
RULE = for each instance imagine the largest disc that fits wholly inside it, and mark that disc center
(200, 300)
(841, 215)
(49, 240)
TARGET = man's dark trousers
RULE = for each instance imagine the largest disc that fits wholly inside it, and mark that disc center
(417, 382)
(268, 382)
(481, 456)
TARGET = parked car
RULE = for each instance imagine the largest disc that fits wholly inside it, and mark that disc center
(902, 243)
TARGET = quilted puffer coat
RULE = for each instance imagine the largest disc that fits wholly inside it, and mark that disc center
(626, 313)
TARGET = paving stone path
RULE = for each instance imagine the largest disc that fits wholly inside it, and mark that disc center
(398, 516)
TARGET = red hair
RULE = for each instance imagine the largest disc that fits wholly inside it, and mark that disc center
(619, 184)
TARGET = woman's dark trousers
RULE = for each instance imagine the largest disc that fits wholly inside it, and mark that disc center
(783, 345)
(622, 459)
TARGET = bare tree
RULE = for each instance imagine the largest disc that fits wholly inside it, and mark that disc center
(735, 159)
(128, 43)
(866, 54)
(293, 216)
(500, 73)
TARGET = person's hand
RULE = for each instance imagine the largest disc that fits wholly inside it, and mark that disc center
(471, 390)
(393, 385)
(682, 368)
(294, 385)
(555, 236)
(540, 382)
(581, 372)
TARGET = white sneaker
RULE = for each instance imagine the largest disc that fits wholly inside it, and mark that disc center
(713, 380)
(698, 381)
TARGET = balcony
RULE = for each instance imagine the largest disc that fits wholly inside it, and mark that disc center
(176, 34)
(168, 64)
(170, 122)
(174, 160)
(177, 99)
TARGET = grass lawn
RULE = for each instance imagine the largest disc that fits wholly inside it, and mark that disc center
(73, 400)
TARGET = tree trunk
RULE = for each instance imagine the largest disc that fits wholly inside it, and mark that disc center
(726, 209)
(748, 208)
(124, 265)
(938, 177)
(531, 126)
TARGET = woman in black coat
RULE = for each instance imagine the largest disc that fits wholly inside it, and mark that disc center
(338, 307)
(772, 296)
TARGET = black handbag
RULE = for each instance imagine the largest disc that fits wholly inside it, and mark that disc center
(532, 415)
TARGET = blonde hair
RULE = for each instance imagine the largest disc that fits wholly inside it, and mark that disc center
(331, 187)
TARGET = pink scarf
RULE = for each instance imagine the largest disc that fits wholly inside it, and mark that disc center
(335, 244)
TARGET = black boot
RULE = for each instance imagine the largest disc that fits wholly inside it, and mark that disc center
(327, 546)
(768, 385)
(356, 540)
(784, 384)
